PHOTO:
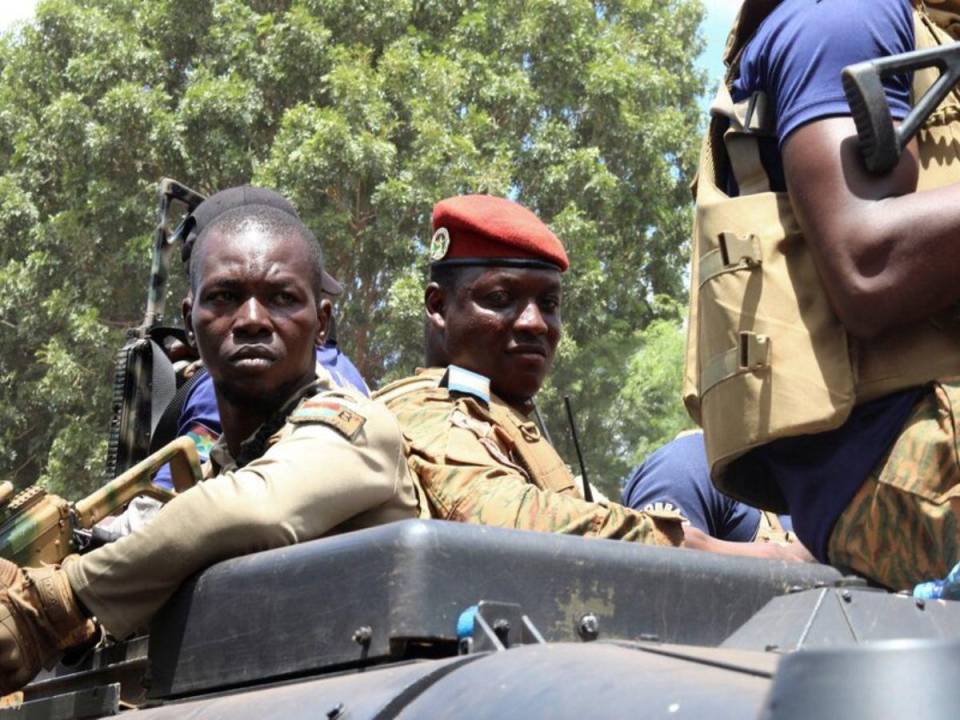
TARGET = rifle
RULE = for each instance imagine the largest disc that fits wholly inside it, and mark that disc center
(144, 378)
(39, 527)
(880, 142)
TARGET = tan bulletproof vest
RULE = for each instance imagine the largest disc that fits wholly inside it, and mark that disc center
(766, 356)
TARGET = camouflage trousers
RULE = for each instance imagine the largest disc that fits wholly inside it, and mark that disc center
(901, 526)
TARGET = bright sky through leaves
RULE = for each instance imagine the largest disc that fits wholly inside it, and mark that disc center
(13, 10)
(720, 16)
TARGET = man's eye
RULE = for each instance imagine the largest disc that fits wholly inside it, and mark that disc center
(221, 296)
(284, 299)
(550, 305)
(498, 298)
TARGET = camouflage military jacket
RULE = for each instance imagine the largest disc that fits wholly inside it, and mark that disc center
(477, 460)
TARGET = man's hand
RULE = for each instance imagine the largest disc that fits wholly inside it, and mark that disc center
(789, 551)
(39, 619)
(886, 253)
(696, 539)
(946, 589)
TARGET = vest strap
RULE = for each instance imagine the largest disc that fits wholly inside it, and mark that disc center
(749, 120)
(734, 252)
(744, 153)
(544, 466)
(751, 353)
(752, 13)
(749, 117)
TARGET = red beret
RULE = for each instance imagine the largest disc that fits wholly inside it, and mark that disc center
(487, 230)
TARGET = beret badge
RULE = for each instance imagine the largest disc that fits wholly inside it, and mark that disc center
(439, 244)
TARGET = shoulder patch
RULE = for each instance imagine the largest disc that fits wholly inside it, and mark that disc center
(336, 412)
(466, 382)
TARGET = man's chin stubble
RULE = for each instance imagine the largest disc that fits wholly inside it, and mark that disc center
(260, 399)
(255, 398)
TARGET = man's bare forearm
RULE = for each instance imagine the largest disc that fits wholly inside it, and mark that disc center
(888, 254)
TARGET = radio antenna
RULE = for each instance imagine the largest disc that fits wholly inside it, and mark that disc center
(587, 491)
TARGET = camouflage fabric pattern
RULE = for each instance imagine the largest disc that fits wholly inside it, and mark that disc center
(467, 471)
(35, 527)
(771, 529)
(901, 526)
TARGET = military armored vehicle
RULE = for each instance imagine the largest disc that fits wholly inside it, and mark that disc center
(424, 619)
(428, 619)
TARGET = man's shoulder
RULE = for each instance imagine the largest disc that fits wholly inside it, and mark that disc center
(435, 388)
(429, 404)
(824, 15)
(412, 389)
(342, 409)
(796, 55)
(422, 408)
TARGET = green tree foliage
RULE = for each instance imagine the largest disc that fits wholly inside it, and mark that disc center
(365, 112)
(651, 412)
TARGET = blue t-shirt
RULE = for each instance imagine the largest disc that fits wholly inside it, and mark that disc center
(799, 50)
(677, 477)
(797, 54)
(200, 418)
(795, 58)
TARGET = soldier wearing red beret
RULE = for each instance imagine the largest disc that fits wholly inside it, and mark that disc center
(492, 329)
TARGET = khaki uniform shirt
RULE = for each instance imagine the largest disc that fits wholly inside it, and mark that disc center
(477, 460)
(337, 464)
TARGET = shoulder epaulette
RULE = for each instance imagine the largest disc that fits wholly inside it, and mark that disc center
(459, 380)
(332, 410)
(404, 387)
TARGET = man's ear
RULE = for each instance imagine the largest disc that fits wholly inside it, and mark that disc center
(186, 310)
(435, 303)
(324, 311)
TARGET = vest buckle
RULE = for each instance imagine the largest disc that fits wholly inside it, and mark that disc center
(750, 354)
(754, 351)
(733, 252)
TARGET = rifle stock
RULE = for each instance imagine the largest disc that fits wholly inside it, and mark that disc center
(38, 527)
(880, 142)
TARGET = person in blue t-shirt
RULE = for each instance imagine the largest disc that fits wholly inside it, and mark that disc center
(879, 494)
(676, 477)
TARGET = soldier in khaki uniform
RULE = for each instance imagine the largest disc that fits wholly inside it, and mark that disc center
(493, 324)
(824, 341)
(297, 459)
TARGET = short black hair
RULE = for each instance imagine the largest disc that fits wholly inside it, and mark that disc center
(448, 277)
(265, 218)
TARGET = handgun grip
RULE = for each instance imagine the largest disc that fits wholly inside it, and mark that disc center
(880, 142)
(876, 134)
(184, 466)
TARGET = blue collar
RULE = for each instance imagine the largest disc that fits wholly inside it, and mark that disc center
(459, 380)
